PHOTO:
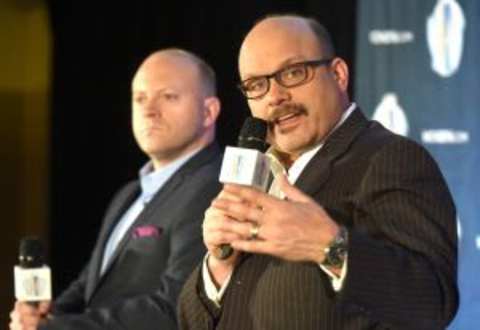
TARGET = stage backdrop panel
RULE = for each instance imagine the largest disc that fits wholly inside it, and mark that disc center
(417, 72)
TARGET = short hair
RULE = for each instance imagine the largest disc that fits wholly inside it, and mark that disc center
(321, 33)
(207, 74)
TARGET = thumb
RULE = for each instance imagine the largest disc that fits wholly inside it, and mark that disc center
(44, 306)
(291, 192)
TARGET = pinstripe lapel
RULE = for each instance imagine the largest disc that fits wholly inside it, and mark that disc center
(318, 169)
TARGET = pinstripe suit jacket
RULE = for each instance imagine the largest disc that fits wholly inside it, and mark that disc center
(402, 257)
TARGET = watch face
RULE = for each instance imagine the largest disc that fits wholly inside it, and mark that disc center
(337, 256)
(337, 250)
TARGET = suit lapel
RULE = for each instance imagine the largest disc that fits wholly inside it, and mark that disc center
(318, 170)
(160, 199)
(145, 216)
(119, 206)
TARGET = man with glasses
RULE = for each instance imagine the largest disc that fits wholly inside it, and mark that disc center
(358, 231)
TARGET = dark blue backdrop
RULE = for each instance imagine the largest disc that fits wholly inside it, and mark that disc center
(417, 73)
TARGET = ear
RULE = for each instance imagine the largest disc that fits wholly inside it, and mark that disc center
(211, 106)
(340, 73)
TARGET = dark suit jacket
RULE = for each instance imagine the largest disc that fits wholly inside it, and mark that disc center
(402, 257)
(141, 284)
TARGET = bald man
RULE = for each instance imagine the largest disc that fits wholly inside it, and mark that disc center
(150, 239)
(358, 231)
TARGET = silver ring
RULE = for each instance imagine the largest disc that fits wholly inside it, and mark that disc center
(254, 229)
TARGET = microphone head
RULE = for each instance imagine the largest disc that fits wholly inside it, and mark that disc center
(253, 134)
(31, 254)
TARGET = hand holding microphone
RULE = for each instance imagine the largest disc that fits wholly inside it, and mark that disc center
(25, 316)
(32, 286)
(245, 164)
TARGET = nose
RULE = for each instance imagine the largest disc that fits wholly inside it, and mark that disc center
(150, 108)
(277, 94)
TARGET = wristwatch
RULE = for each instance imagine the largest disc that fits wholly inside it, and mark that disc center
(336, 251)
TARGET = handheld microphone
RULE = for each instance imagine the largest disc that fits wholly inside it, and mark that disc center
(32, 277)
(246, 164)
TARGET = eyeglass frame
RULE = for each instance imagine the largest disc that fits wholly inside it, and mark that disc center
(275, 75)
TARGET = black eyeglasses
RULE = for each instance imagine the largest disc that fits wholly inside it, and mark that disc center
(290, 76)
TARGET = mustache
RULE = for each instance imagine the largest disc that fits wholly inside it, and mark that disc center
(286, 109)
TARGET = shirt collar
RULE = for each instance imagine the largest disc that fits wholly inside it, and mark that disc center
(299, 164)
(151, 180)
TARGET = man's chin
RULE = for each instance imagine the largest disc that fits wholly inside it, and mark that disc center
(290, 142)
(289, 149)
(152, 149)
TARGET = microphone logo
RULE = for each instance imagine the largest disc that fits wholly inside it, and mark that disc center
(237, 165)
(34, 286)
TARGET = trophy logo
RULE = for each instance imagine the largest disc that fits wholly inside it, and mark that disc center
(391, 115)
(445, 36)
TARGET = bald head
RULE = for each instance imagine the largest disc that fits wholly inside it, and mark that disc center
(299, 31)
(205, 75)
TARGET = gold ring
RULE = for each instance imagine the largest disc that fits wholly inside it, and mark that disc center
(254, 231)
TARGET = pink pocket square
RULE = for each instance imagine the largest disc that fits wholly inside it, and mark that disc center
(146, 231)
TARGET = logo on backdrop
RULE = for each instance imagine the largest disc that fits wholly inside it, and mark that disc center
(445, 34)
(460, 234)
(391, 115)
(459, 229)
(445, 136)
(390, 37)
